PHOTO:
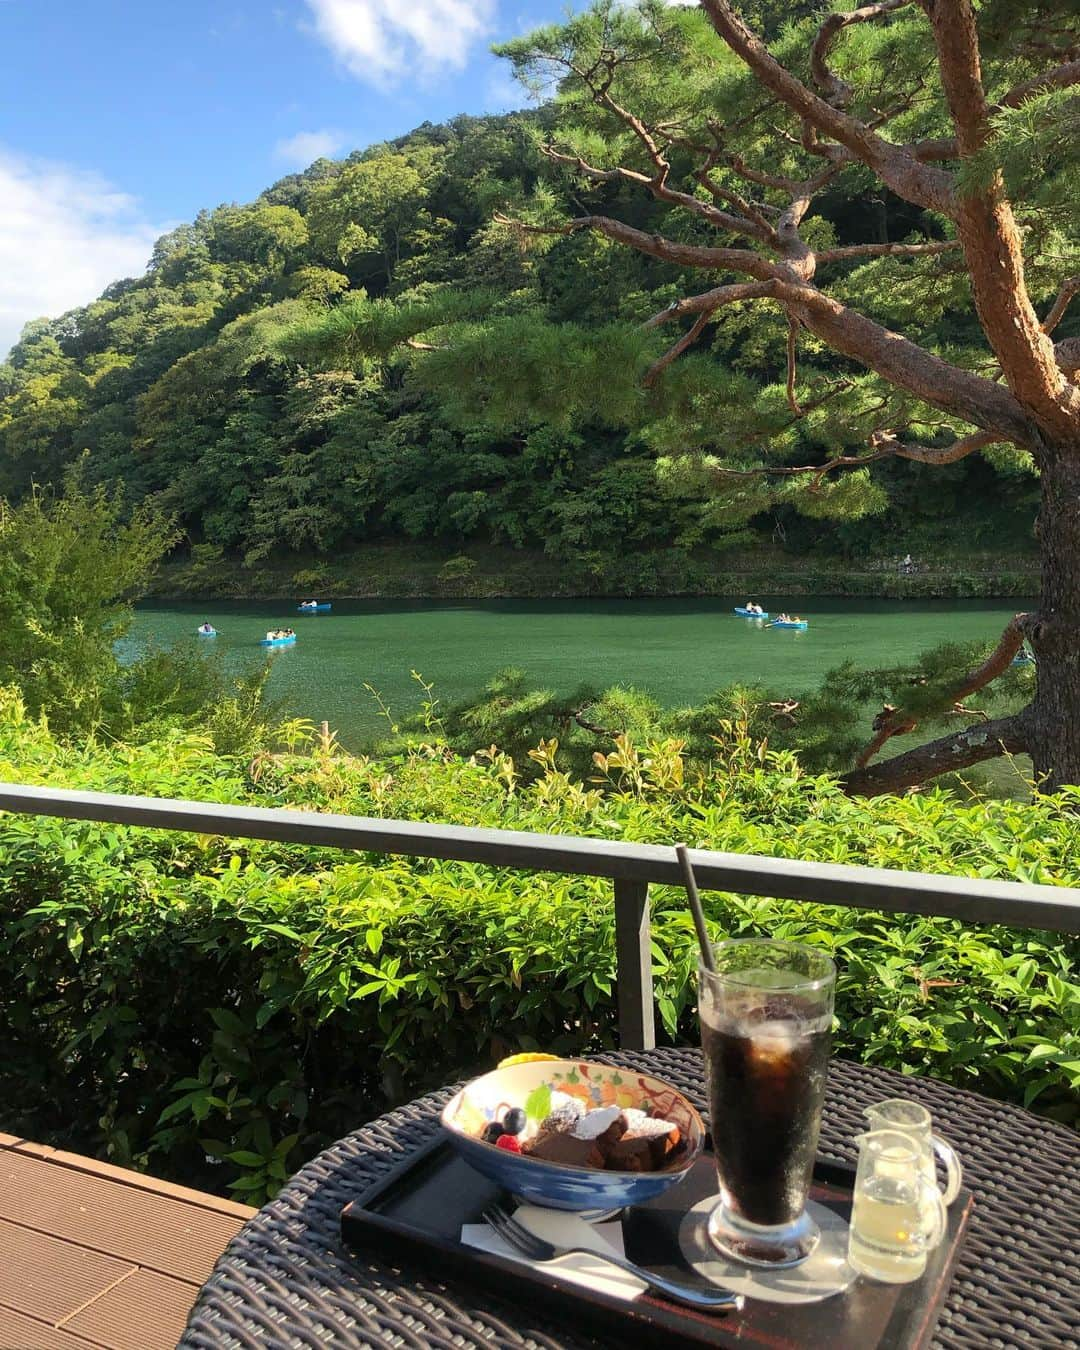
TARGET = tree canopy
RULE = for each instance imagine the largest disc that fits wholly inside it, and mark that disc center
(270, 380)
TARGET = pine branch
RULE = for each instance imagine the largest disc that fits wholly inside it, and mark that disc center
(947, 754)
(999, 660)
(835, 90)
(932, 151)
(888, 445)
(1069, 288)
(830, 255)
(907, 365)
(676, 349)
(657, 246)
(741, 224)
(959, 62)
(1067, 356)
(884, 445)
(889, 722)
(1059, 78)
(792, 344)
(985, 223)
(748, 222)
(908, 177)
(712, 156)
(756, 211)
(710, 301)
(897, 359)
(892, 721)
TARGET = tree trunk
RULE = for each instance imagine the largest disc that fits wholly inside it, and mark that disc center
(1053, 731)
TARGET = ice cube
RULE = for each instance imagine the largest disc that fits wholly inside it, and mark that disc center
(773, 1042)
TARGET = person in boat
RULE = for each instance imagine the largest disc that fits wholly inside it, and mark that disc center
(309, 604)
(751, 608)
(207, 627)
(783, 618)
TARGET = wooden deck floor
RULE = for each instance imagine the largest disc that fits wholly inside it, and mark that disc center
(96, 1256)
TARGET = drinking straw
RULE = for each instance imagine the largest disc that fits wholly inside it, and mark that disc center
(690, 882)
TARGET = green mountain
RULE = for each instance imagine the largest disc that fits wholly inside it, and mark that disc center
(188, 385)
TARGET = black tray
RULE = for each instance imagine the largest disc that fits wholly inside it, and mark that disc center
(416, 1212)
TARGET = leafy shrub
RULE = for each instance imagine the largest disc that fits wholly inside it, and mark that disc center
(217, 1010)
(458, 568)
(316, 578)
(207, 572)
(69, 568)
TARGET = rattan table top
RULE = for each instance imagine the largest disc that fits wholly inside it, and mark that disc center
(286, 1280)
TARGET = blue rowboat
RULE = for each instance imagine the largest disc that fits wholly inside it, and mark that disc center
(789, 623)
(278, 642)
(202, 632)
(745, 613)
(313, 609)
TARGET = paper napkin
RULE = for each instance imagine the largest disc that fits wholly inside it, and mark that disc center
(565, 1230)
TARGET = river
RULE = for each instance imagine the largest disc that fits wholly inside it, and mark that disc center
(677, 650)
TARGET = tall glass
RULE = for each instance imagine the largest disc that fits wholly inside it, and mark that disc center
(766, 1015)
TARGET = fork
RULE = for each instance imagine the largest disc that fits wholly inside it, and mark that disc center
(539, 1249)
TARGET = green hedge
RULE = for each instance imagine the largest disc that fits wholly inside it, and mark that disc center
(217, 1010)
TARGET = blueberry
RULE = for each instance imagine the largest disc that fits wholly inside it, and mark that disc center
(514, 1120)
(492, 1132)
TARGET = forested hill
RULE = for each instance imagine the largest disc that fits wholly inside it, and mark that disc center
(181, 384)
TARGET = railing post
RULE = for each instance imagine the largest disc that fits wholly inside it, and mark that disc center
(633, 965)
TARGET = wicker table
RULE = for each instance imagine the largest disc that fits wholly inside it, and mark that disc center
(286, 1279)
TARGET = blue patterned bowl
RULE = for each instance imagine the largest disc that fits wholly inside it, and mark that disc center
(556, 1185)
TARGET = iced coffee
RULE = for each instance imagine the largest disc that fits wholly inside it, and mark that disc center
(766, 1015)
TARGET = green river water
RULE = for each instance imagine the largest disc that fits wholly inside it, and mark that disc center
(677, 650)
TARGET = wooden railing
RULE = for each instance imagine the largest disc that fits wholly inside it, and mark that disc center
(631, 867)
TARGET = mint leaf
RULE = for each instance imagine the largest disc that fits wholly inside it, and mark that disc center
(538, 1103)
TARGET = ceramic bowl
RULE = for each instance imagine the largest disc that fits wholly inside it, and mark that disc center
(556, 1185)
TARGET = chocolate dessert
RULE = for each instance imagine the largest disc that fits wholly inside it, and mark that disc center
(606, 1137)
(646, 1145)
(586, 1143)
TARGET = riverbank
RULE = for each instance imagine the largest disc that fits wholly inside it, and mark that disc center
(389, 571)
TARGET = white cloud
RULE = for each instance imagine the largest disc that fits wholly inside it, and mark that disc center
(65, 234)
(306, 146)
(382, 41)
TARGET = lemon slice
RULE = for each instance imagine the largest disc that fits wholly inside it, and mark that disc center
(528, 1058)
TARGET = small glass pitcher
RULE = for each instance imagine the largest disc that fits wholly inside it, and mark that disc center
(914, 1120)
(897, 1216)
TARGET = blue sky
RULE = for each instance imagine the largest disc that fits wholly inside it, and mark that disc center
(120, 118)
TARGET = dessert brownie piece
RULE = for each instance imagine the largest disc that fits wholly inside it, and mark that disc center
(556, 1146)
(645, 1146)
(587, 1143)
